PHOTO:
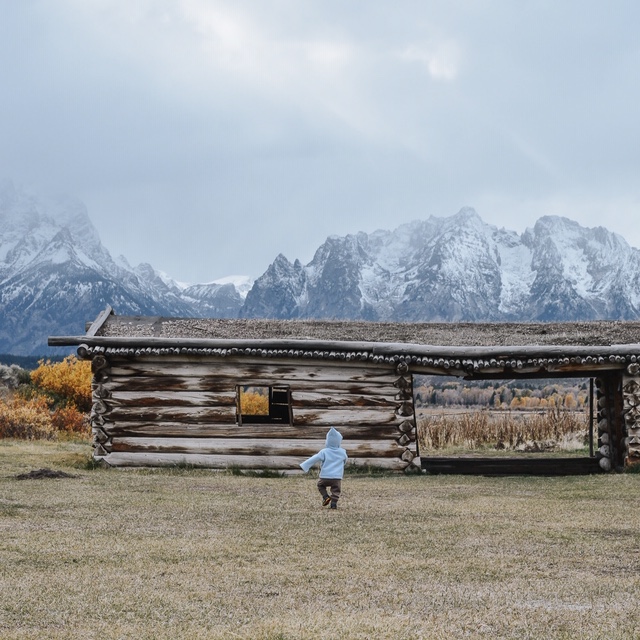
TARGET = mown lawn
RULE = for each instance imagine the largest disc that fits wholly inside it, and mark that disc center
(197, 554)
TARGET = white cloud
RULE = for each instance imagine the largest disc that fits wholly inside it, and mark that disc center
(442, 60)
(210, 114)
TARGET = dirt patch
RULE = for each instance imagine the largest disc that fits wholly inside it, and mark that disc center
(38, 474)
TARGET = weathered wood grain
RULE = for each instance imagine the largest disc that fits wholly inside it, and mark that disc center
(299, 399)
(250, 373)
(99, 321)
(125, 459)
(225, 384)
(301, 417)
(326, 400)
(342, 416)
(173, 414)
(151, 398)
(302, 448)
(262, 431)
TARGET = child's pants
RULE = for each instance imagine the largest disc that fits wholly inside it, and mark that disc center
(334, 483)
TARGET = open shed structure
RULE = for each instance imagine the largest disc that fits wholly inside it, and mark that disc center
(170, 391)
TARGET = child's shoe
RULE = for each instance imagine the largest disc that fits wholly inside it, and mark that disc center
(326, 500)
(334, 505)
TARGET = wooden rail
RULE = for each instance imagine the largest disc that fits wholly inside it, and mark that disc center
(510, 466)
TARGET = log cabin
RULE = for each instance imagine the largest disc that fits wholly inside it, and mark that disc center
(261, 394)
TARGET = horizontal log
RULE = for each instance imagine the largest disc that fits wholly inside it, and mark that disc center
(226, 384)
(172, 414)
(355, 415)
(125, 459)
(472, 465)
(250, 373)
(303, 448)
(150, 398)
(144, 342)
(585, 368)
(302, 399)
(263, 431)
(376, 348)
(301, 416)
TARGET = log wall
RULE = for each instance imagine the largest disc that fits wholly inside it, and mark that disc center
(631, 409)
(170, 410)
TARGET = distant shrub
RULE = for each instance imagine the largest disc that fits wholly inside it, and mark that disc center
(26, 419)
(12, 376)
(53, 399)
(70, 420)
(66, 383)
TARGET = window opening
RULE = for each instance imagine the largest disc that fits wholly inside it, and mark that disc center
(263, 404)
(504, 417)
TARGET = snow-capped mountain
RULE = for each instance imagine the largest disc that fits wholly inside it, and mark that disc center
(458, 269)
(55, 274)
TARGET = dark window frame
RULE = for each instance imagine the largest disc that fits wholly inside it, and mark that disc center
(280, 410)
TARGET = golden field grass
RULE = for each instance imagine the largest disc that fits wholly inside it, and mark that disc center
(451, 430)
(197, 554)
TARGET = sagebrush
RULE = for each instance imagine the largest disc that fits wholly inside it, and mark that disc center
(53, 399)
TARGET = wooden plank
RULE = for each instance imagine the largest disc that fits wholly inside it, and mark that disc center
(99, 321)
(226, 430)
(173, 414)
(151, 398)
(299, 399)
(226, 384)
(377, 348)
(342, 417)
(125, 459)
(303, 448)
(150, 342)
(302, 399)
(301, 416)
(509, 466)
(250, 373)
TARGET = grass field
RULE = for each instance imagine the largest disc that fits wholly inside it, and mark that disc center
(195, 554)
(450, 430)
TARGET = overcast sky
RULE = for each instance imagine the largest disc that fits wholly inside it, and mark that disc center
(207, 136)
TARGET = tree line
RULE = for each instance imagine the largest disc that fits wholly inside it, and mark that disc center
(568, 393)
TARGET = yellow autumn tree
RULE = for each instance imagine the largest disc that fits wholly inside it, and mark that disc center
(253, 402)
(65, 383)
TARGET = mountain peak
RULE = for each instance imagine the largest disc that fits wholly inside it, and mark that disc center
(458, 269)
(55, 273)
(467, 214)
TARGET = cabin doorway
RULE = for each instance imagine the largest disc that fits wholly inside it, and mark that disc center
(507, 426)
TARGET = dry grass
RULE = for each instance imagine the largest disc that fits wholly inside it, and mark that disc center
(553, 430)
(196, 554)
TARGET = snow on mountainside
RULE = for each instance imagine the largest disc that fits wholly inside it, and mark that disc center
(55, 274)
(458, 269)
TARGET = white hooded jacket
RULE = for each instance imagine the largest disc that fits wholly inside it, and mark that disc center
(332, 458)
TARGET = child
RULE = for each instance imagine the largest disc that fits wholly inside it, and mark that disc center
(332, 460)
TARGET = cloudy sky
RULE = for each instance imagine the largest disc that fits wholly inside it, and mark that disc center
(207, 136)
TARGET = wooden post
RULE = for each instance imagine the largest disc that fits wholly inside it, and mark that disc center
(605, 435)
(618, 452)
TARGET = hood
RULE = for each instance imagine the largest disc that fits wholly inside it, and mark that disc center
(334, 438)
